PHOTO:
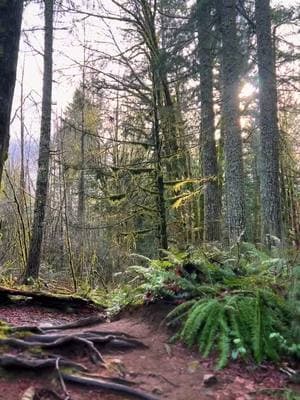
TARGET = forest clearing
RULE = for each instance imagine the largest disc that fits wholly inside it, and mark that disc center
(149, 199)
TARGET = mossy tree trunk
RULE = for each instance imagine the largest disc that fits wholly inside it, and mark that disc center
(269, 132)
(159, 177)
(234, 171)
(10, 28)
(212, 198)
(34, 258)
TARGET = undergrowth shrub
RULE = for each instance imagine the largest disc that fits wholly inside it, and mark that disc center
(234, 324)
(232, 302)
(294, 300)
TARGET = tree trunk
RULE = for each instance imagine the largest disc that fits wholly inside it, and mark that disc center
(161, 205)
(234, 175)
(34, 258)
(22, 139)
(10, 27)
(269, 132)
(212, 198)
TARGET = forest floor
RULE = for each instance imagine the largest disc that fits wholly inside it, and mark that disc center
(168, 371)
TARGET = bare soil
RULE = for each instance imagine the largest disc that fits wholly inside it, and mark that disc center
(170, 371)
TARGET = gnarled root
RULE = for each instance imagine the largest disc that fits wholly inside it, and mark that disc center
(11, 361)
(108, 385)
(47, 339)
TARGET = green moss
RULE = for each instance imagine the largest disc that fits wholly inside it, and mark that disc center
(36, 350)
(4, 330)
(22, 334)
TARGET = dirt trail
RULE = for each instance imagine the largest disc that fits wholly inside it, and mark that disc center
(170, 371)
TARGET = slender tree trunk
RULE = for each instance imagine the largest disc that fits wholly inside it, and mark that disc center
(212, 197)
(10, 28)
(81, 211)
(22, 126)
(234, 174)
(116, 132)
(61, 205)
(81, 187)
(269, 132)
(174, 156)
(66, 208)
(81, 183)
(34, 258)
(161, 206)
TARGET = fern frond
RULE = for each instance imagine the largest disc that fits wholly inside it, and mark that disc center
(257, 329)
(142, 257)
(179, 310)
(195, 320)
(224, 342)
(207, 338)
(235, 325)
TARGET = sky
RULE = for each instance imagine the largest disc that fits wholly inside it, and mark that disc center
(68, 55)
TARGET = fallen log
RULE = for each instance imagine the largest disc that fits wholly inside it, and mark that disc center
(59, 301)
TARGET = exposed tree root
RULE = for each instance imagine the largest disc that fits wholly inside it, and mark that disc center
(111, 386)
(11, 361)
(46, 339)
(114, 379)
(55, 340)
(81, 323)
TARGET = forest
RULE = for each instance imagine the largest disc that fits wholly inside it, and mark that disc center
(149, 199)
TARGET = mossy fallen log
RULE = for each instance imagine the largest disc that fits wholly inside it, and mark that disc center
(43, 298)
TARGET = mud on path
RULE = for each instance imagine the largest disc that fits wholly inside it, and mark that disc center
(169, 371)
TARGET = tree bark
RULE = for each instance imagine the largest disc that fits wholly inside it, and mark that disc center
(269, 132)
(234, 174)
(212, 198)
(10, 27)
(34, 258)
